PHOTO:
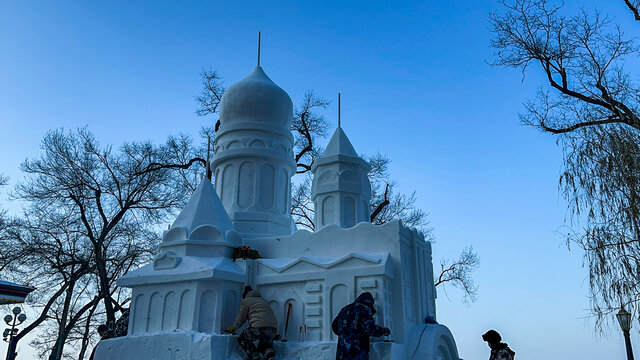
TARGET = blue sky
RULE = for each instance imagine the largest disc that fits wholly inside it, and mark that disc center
(415, 85)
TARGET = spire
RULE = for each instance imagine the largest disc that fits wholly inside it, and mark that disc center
(339, 144)
(339, 125)
(204, 208)
(209, 173)
(203, 228)
(259, 38)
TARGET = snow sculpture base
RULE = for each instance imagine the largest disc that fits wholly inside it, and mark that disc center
(436, 343)
(433, 341)
(179, 345)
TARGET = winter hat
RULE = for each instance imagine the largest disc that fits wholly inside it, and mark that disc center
(492, 337)
(246, 291)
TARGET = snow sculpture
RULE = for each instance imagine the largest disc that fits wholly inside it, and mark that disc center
(191, 291)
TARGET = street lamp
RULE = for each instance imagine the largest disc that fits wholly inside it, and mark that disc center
(12, 320)
(624, 318)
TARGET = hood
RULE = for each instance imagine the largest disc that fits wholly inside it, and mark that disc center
(366, 299)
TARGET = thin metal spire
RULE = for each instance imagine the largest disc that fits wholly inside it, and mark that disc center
(339, 110)
(259, 36)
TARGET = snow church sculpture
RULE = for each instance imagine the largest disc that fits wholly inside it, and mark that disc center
(183, 300)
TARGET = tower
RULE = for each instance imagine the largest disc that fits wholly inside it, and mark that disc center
(253, 156)
(202, 228)
(192, 283)
(340, 190)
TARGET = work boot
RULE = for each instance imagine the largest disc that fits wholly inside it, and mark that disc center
(269, 354)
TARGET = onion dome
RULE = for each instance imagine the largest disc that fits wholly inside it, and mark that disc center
(256, 98)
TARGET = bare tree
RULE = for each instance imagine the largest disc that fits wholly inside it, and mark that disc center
(601, 182)
(458, 273)
(211, 95)
(591, 102)
(4, 222)
(386, 204)
(582, 59)
(308, 125)
(45, 252)
(92, 214)
(302, 210)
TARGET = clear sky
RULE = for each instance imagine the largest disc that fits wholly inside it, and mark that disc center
(415, 84)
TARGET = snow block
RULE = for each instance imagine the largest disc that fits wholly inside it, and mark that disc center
(192, 345)
(183, 345)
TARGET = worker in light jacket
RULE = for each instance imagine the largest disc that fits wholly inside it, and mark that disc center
(262, 325)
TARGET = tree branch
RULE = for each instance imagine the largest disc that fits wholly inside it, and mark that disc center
(154, 166)
(577, 126)
(633, 8)
(382, 205)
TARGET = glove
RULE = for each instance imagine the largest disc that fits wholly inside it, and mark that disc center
(230, 330)
(387, 332)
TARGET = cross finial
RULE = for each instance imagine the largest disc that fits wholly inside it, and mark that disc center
(339, 110)
(259, 36)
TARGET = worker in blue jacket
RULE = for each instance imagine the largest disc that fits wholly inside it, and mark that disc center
(354, 325)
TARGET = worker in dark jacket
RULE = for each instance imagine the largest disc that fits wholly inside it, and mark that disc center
(262, 325)
(499, 350)
(354, 325)
(102, 331)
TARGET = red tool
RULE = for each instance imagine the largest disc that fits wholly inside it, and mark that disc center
(286, 324)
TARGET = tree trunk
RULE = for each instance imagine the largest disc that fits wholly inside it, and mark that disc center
(56, 351)
(105, 292)
(87, 331)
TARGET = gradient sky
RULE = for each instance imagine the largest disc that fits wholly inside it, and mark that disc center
(415, 85)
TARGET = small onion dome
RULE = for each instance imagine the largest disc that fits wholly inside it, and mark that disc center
(256, 99)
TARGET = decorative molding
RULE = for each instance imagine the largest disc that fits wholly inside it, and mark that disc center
(333, 262)
(166, 260)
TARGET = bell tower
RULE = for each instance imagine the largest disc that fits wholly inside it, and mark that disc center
(253, 156)
(340, 189)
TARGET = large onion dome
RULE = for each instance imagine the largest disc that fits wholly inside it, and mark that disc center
(256, 98)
